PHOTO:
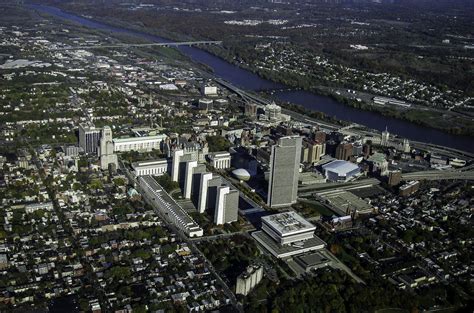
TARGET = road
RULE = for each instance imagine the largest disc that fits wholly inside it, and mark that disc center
(220, 236)
(310, 189)
(439, 175)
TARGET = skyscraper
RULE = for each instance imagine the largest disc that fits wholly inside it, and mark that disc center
(385, 139)
(227, 202)
(177, 154)
(106, 151)
(284, 171)
(344, 151)
(188, 178)
(89, 137)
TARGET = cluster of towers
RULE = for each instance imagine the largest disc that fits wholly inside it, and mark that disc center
(205, 189)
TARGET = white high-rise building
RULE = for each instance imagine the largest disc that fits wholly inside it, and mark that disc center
(248, 279)
(385, 138)
(106, 150)
(188, 178)
(177, 154)
(220, 205)
(227, 205)
(406, 146)
(284, 172)
(205, 178)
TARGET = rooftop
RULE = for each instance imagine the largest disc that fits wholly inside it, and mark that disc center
(340, 167)
(288, 222)
(280, 251)
(132, 139)
(149, 163)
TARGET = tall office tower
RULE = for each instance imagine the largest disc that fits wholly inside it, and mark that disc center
(203, 186)
(89, 138)
(106, 152)
(385, 137)
(208, 193)
(344, 151)
(177, 154)
(357, 149)
(220, 204)
(251, 110)
(366, 149)
(406, 146)
(227, 205)
(331, 146)
(316, 150)
(305, 153)
(188, 178)
(196, 181)
(284, 172)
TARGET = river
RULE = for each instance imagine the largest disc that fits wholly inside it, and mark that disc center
(250, 81)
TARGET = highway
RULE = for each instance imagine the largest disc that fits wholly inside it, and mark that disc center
(128, 45)
(261, 103)
(439, 175)
(310, 189)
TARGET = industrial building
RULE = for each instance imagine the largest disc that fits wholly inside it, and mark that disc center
(344, 202)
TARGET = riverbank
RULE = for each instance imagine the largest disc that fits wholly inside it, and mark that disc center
(247, 80)
(447, 122)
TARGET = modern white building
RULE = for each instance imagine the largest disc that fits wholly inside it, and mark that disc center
(340, 170)
(287, 234)
(151, 167)
(248, 279)
(227, 205)
(188, 178)
(220, 160)
(208, 90)
(385, 139)
(172, 211)
(203, 186)
(286, 228)
(106, 150)
(220, 204)
(176, 159)
(147, 143)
